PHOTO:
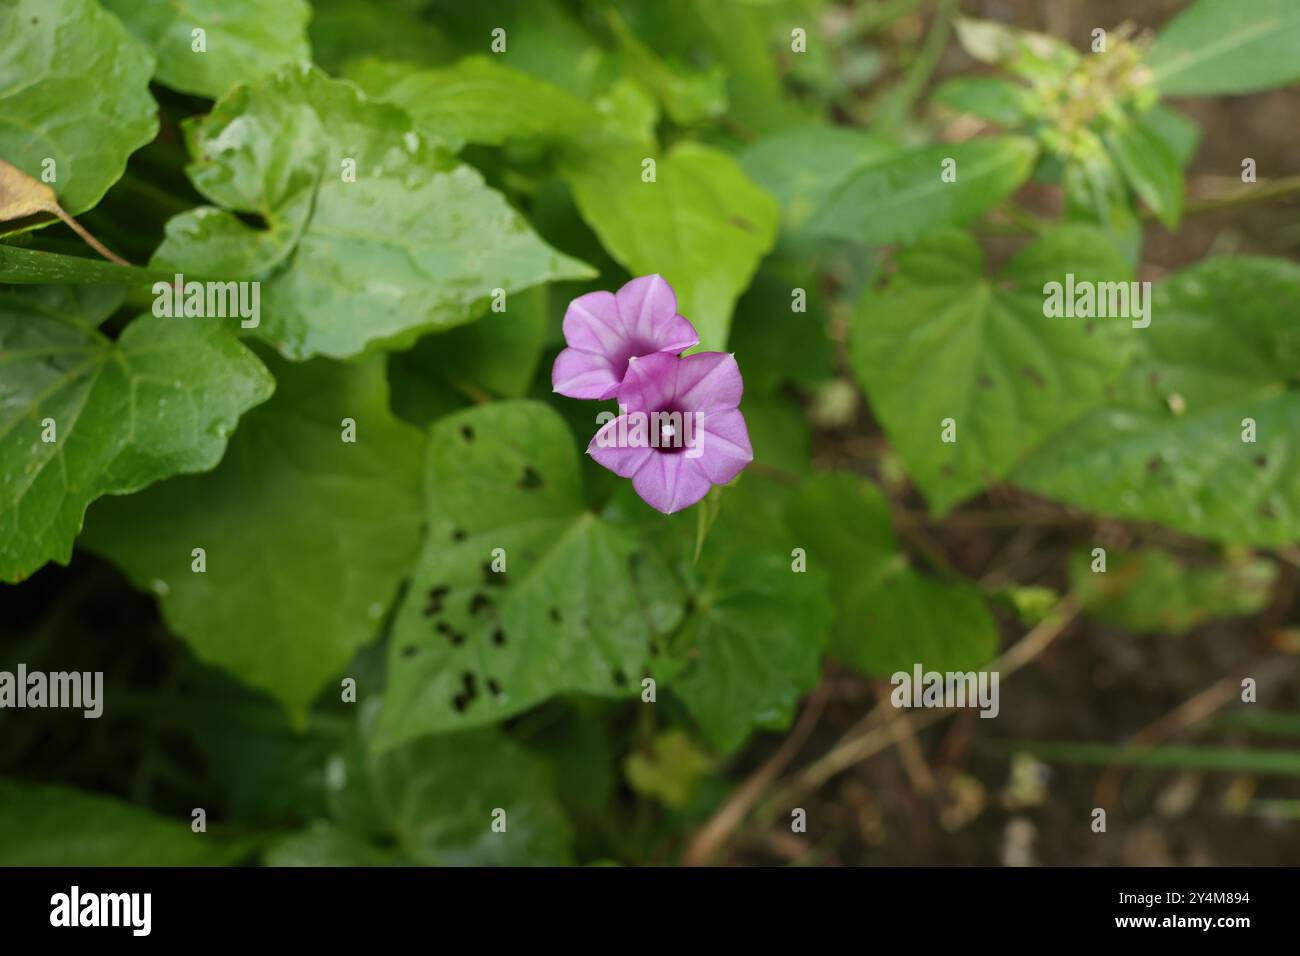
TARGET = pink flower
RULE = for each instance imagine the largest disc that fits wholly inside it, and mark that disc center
(605, 331)
(679, 430)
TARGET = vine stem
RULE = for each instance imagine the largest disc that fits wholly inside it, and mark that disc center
(1257, 192)
(862, 742)
(714, 834)
(871, 735)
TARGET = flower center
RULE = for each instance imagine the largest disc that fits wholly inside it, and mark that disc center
(632, 349)
(672, 430)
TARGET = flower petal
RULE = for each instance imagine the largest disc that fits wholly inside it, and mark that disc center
(676, 335)
(592, 323)
(581, 374)
(646, 304)
(670, 483)
(650, 382)
(623, 460)
(723, 445)
(709, 382)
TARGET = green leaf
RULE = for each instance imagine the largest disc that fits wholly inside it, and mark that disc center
(779, 432)
(417, 242)
(738, 34)
(575, 608)
(669, 769)
(688, 96)
(1023, 53)
(1097, 194)
(888, 617)
(22, 266)
(57, 826)
(1150, 590)
(988, 97)
(776, 344)
(754, 644)
(1222, 347)
(306, 536)
(1221, 46)
(942, 342)
(702, 224)
(243, 40)
(497, 355)
(475, 101)
(1151, 169)
(800, 166)
(74, 88)
(904, 195)
(85, 416)
(550, 41)
(1179, 134)
(393, 29)
(432, 802)
(327, 844)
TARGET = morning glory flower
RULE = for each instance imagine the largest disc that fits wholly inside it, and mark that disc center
(606, 330)
(679, 430)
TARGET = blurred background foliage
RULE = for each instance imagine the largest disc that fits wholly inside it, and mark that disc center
(1127, 688)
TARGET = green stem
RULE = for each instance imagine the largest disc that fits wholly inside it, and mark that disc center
(1253, 193)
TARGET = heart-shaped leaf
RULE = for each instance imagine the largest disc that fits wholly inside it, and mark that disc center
(968, 374)
(305, 534)
(84, 415)
(372, 235)
(520, 593)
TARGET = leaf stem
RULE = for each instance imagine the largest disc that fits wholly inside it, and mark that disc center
(1253, 193)
(86, 237)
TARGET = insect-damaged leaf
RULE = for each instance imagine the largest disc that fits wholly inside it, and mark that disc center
(521, 593)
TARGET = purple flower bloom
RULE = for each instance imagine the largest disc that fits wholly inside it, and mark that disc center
(606, 330)
(679, 430)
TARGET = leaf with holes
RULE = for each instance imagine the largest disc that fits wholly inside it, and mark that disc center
(242, 40)
(471, 799)
(945, 353)
(703, 224)
(413, 242)
(305, 535)
(520, 593)
(74, 93)
(82, 415)
(888, 617)
(1223, 348)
